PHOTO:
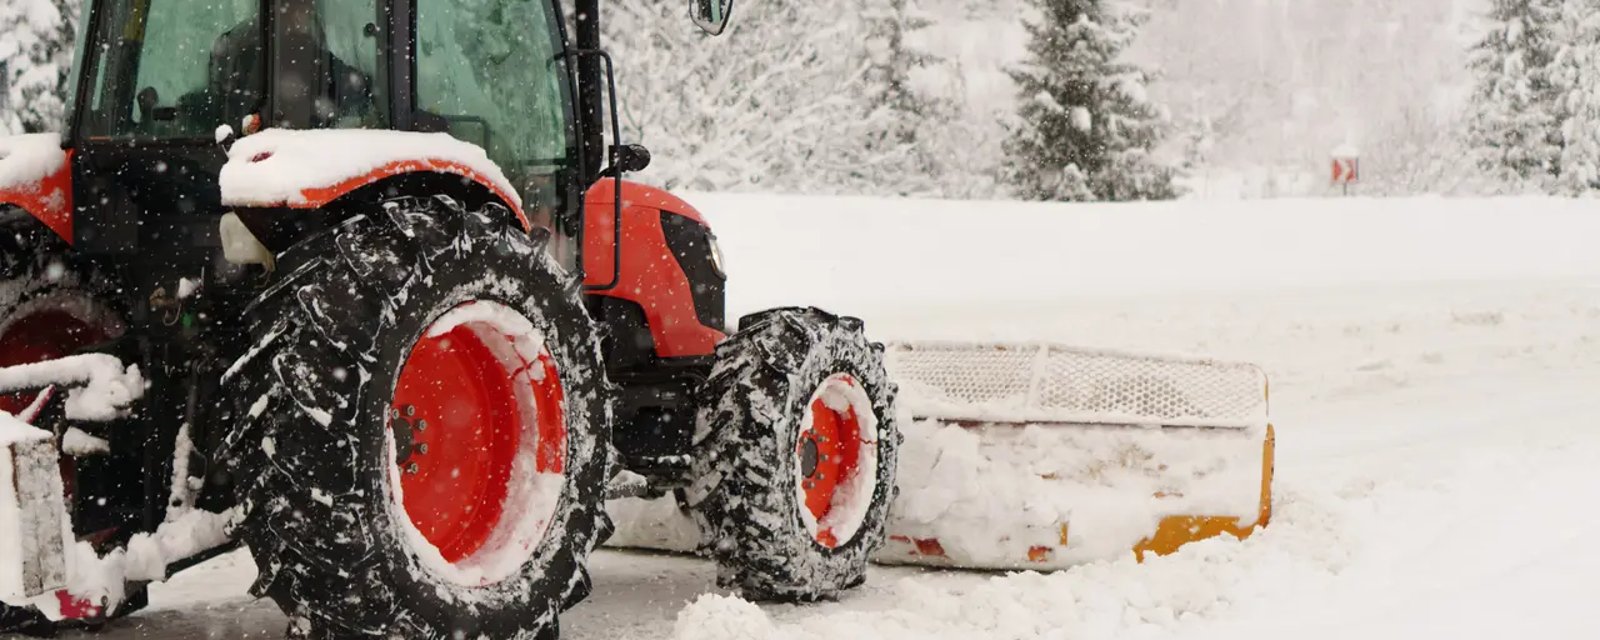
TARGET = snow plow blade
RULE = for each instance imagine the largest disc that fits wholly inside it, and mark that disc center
(1042, 456)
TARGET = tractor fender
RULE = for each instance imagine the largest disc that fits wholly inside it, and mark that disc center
(288, 169)
(36, 176)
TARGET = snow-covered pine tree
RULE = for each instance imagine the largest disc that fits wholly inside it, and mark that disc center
(910, 113)
(36, 40)
(1514, 126)
(1088, 128)
(1577, 85)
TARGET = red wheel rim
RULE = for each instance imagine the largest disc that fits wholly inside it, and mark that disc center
(477, 404)
(830, 455)
(44, 334)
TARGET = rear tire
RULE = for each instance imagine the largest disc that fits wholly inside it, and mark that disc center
(779, 528)
(53, 303)
(321, 447)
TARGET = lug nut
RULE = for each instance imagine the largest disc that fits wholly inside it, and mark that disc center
(411, 410)
(422, 425)
(412, 468)
(422, 448)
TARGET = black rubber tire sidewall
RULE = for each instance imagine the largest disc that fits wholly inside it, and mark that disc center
(28, 252)
(752, 516)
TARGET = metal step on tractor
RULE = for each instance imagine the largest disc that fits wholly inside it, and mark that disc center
(358, 285)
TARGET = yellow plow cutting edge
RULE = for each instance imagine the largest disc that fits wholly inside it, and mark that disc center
(1041, 456)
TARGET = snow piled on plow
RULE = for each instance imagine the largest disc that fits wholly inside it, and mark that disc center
(1051, 496)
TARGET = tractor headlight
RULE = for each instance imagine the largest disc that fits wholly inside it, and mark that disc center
(716, 255)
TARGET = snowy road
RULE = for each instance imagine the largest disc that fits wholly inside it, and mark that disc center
(1438, 458)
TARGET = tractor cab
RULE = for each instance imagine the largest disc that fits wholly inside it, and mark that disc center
(163, 77)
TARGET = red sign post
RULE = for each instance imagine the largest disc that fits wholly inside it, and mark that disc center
(1346, 168)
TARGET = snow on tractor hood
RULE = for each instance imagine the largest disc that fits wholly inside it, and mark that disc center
(307, 169)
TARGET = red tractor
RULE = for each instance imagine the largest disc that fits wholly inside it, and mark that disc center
(358, 284)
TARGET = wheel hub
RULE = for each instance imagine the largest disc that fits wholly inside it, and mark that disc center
(475, 421)
(808, 458)
(836, 459)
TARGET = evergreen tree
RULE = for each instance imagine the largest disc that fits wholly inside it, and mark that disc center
(1088, 127)
(891, 62)
(36, 40)
(1514, 128)
(1577, 85)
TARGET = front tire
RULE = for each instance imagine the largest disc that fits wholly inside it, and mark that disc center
(795, 458)
(421, 431)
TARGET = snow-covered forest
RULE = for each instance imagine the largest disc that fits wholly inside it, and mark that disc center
(1257, 93)
(1245, 98)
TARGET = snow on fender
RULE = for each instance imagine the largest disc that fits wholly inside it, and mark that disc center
(309, 169)
(35, 174)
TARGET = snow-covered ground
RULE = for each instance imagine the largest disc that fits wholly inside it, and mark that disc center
(1436, 388)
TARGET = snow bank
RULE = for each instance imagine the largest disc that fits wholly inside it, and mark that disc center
(884, 257)
(715, 617)
(1120, 599)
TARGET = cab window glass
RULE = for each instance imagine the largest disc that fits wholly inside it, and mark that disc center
(490, 72)
(175, 68)
(348, 65)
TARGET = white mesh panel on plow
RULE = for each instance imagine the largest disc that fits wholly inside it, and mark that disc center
(1050, 383)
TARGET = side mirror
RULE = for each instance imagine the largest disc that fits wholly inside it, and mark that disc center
(711, 15)
(632, 158)
(627, 158)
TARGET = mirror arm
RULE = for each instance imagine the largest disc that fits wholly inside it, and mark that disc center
(612, 169)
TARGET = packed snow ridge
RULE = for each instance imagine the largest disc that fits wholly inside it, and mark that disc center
(103, 387)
